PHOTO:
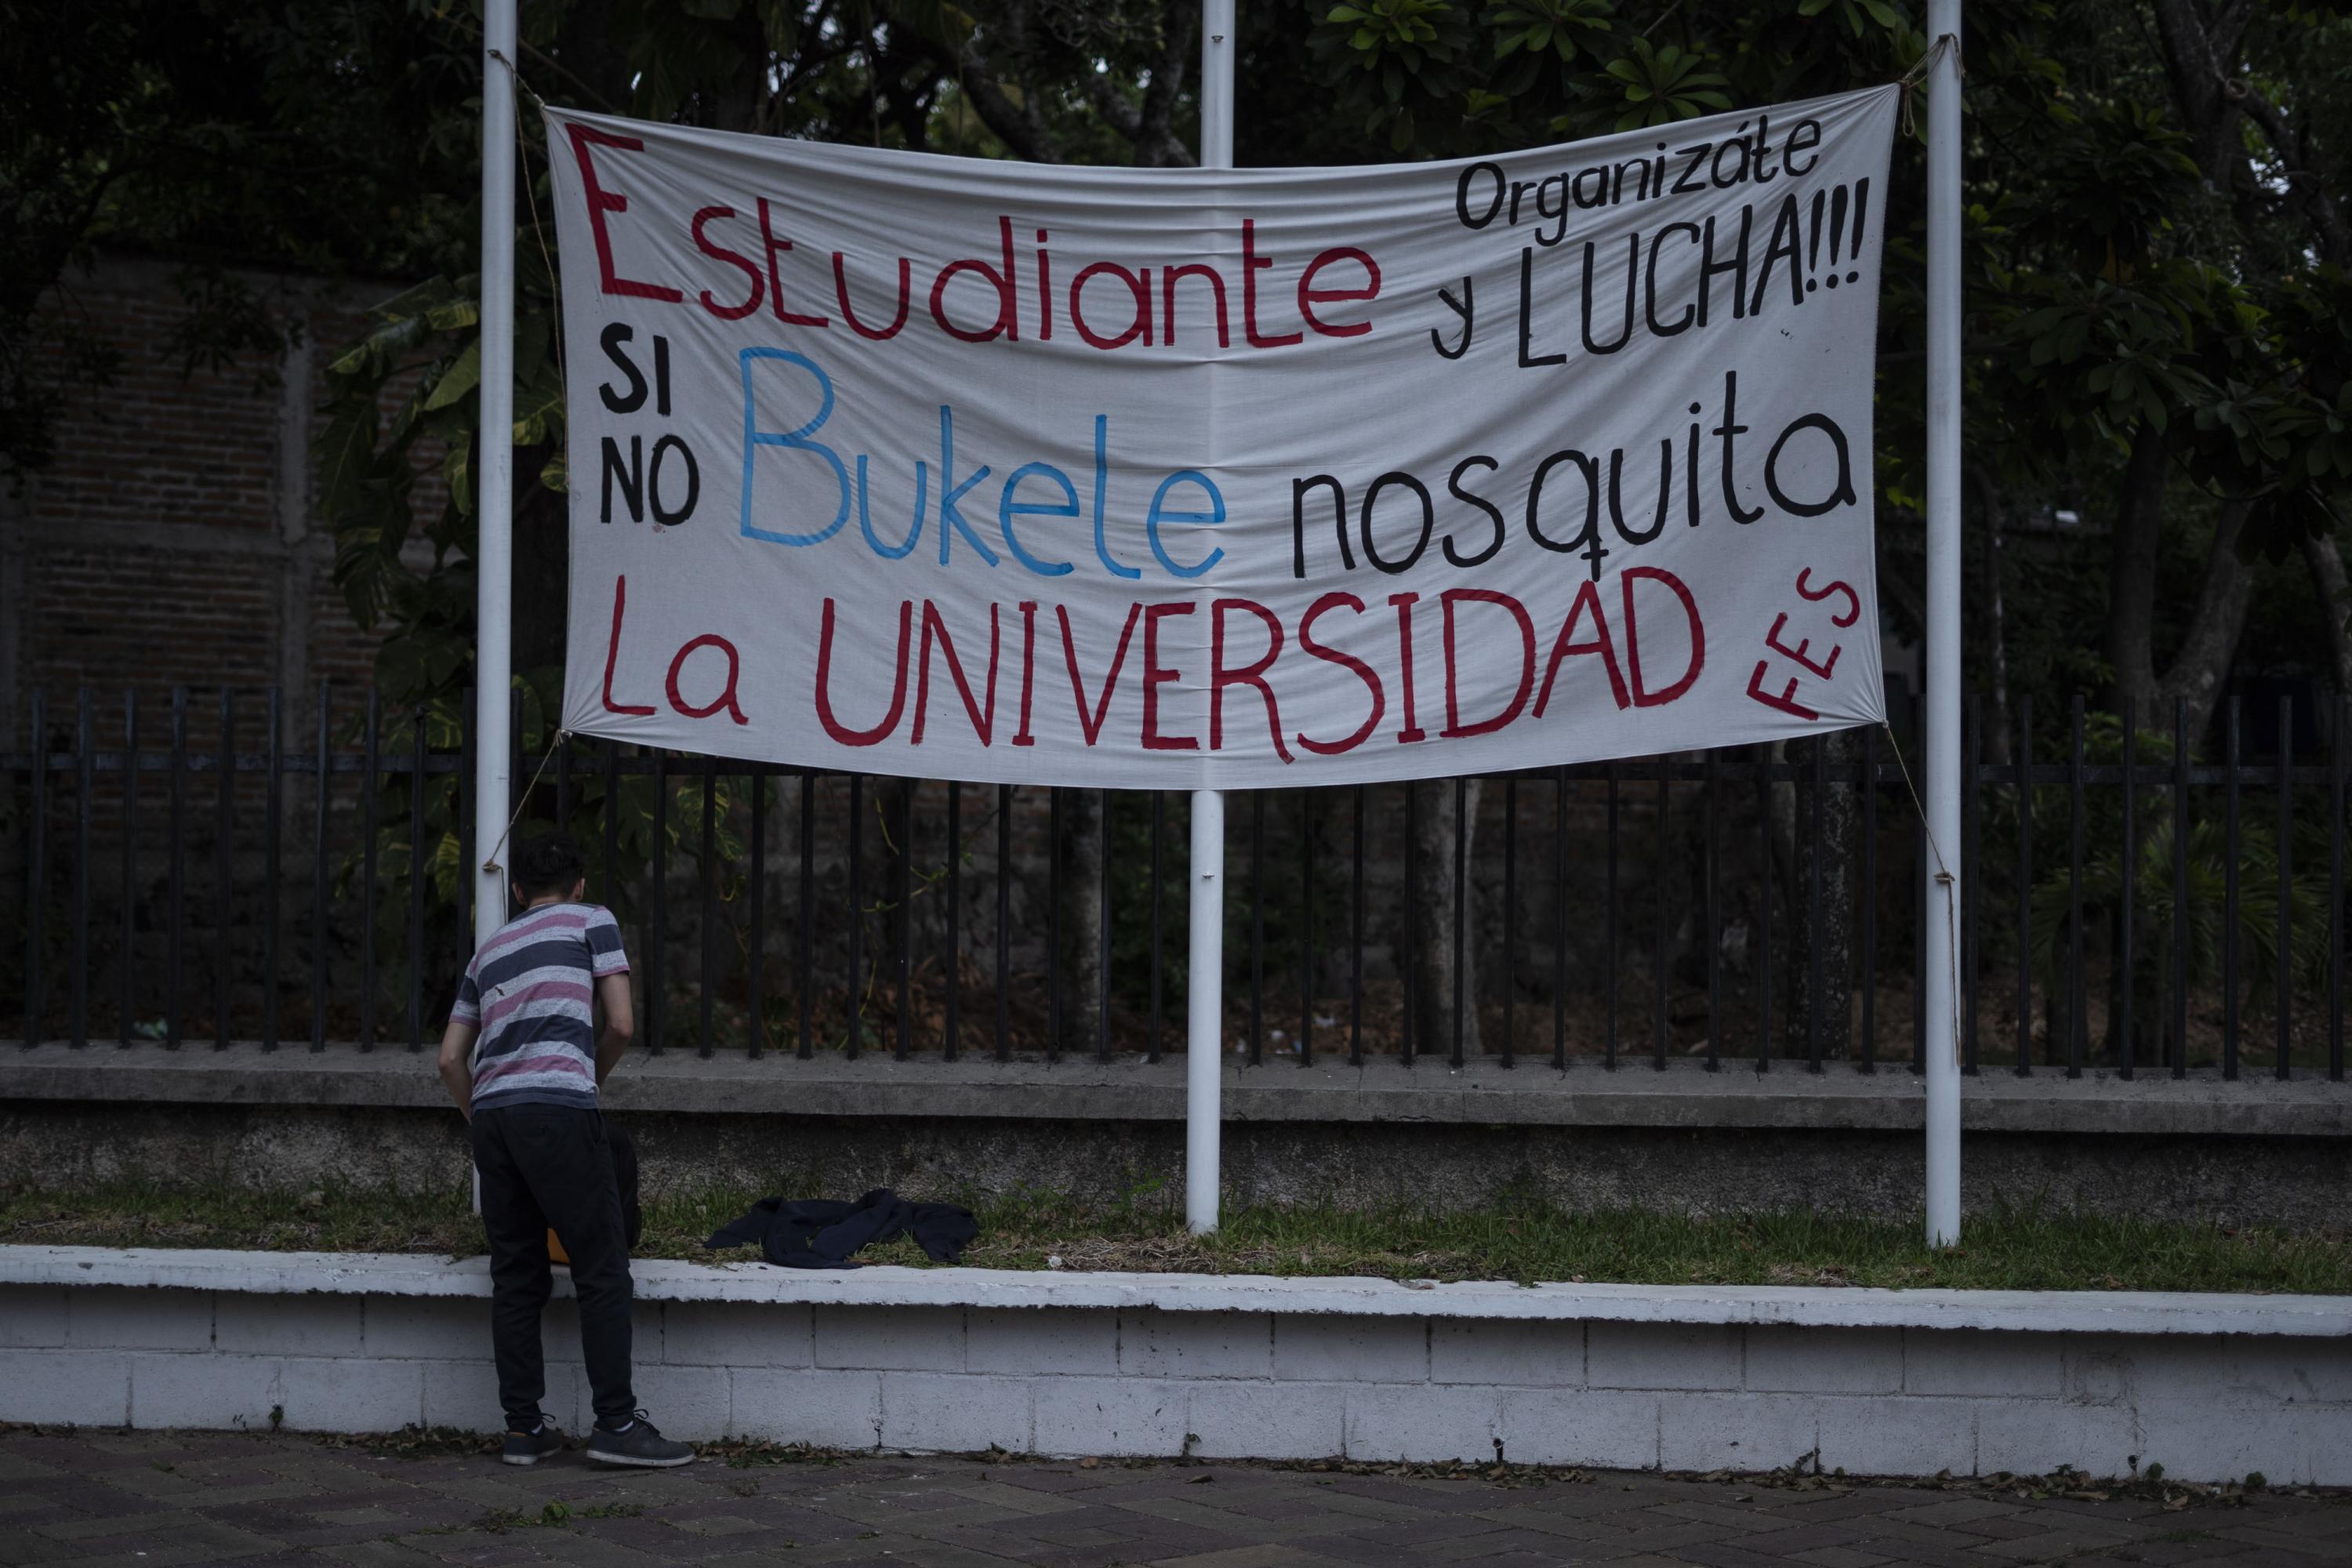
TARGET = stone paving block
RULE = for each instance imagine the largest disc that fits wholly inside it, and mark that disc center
(829, 1409)
(424, 1328)
(286, 1325)
(2034, 1437)
(1110, 1415)
(1417, 1421)
(1736, 1431)
(1316, 1350)
(889, 1339)
(79, 1387)
(1054, 1340)
(1195, 1345)
(1589, 1426)
(1982, 1365)
(733, 1334)
(1268, 1421)
(1532, 1354)
(1786, 1360)
(1896, 1435)
(1661, 1355)
(140, 1320)
(950, 1413)
(203, 1391)
(335, 1395)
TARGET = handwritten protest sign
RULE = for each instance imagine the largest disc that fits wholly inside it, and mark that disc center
(1178, 478)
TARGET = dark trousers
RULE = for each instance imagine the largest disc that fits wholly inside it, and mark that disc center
(548, 1167)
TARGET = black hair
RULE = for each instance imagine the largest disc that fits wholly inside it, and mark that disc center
(549, 863)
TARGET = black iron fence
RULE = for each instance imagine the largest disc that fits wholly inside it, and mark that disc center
(2132, 903)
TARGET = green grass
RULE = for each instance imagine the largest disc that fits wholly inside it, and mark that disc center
(2029, 1249)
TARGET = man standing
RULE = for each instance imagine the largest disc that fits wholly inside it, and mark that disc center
(528, 1089)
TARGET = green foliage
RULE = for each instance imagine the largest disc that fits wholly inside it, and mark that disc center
(1515, 1236)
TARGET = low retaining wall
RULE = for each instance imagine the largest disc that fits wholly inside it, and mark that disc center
(1632, 1377)
(1684, 1140)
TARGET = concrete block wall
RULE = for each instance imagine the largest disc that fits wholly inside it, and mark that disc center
(1144, 1379)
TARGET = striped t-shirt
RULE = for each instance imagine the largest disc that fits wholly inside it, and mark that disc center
(531, 991)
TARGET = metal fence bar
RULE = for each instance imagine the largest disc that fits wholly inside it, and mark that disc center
(1869, 1062)
(2285, 976)
(2077, 993)
(805, 933)
(1763, 905)
(1158, 968)
(2339, 713)
(1461, 907)
(1510, 907)
(1405, 1040)
(273, 829)
(85, 808)
(904, 895)
(1661, 955)
(707, 873)
(469, 719)
(1616, 942)
(1257, 927)
(857, 1038)
(2229, 902)
(1005, 922)
(126, 998)
(1306, 927)
(657, 896)
(1713, 877)
(1103, 930)
(1053, 926)
(755, 967)
(1816, 980)
(224, 888)
(1559, 919)
(371, 824)
(1971, 843)
(2024, 888)
(36, 897)
(1355, 930)
(2127, 923)
(951, 925)
(2180, 887)
(321, 801)
(174, 951)
(416, 873)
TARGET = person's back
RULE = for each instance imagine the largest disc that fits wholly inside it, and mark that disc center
(523, 1059)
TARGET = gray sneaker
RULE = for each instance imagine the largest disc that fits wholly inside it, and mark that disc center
(531, 1448)
(639, 1443)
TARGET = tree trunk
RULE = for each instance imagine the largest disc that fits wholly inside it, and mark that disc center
(2201, 667)
(1436, 831)
(2131, 596)
(2328, 579)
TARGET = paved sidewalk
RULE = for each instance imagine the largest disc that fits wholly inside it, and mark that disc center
(153, 1499)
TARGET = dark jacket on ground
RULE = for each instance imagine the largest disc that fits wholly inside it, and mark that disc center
(823, 1233)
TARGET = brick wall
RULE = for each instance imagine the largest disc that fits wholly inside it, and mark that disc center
(176, 540)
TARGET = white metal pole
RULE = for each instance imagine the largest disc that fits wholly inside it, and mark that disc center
(1204, 1000)
(1943, 728)
(494, 467)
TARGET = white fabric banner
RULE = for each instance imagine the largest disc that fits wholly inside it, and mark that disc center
(1178, 478)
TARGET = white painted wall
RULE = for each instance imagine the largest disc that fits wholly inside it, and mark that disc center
(1259, 1379)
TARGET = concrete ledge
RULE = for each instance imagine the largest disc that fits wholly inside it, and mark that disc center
(2011, 1311)
(1691, 1378)
(1483, 1094)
